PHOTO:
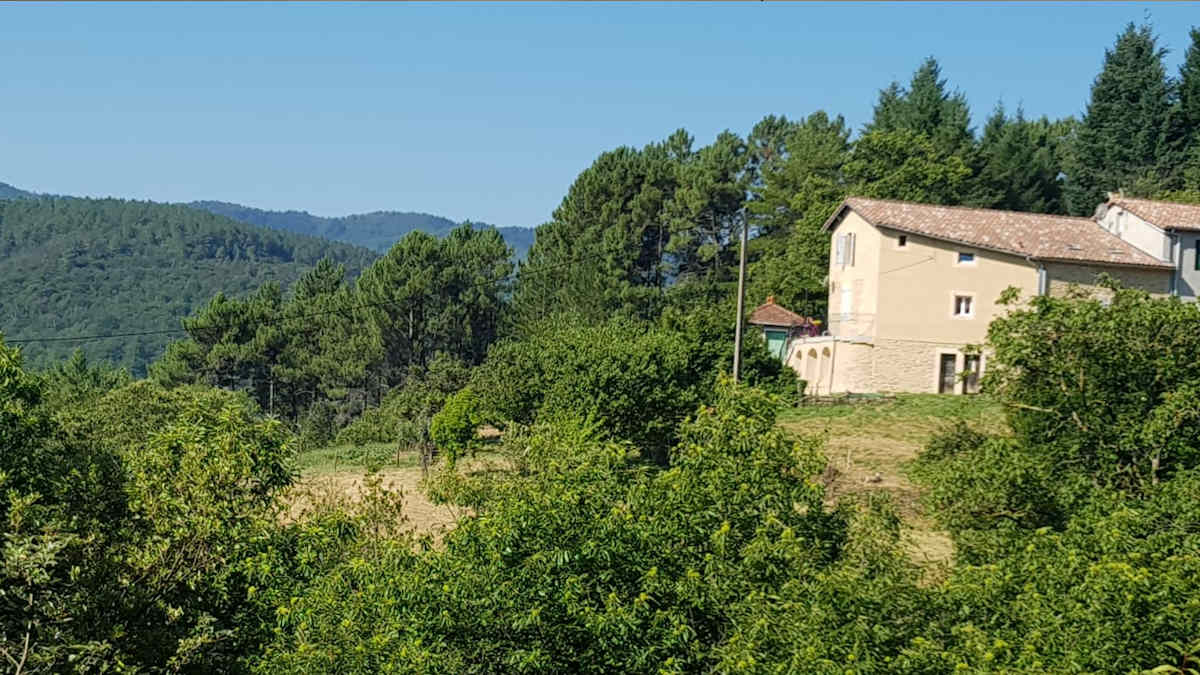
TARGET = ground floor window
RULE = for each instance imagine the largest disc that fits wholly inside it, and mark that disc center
(947, 373)
(972, 364)
(950, 377)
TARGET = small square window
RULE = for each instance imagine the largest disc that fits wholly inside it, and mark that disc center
(964, 305)
(902, 241)
(965, 258)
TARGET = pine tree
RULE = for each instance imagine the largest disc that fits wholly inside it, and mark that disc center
(926, 107)
(602, 253)
(1187, 127)
(789, 258)
(705, 211)
(1123, 136)
(1019, 164)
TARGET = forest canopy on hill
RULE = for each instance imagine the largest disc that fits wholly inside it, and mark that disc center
(377, 230)
(72, 267)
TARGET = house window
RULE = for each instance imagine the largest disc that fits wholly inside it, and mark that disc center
(946, 373)
(844, 250)
(971, 370)
(1196, 256)
(902, 241)
(966, 258)
(964, 306)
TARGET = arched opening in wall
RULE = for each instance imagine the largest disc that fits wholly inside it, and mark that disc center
(827, 370)
(810, 372)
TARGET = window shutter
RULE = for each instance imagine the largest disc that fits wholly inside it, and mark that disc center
(840, 247)
(853, 241)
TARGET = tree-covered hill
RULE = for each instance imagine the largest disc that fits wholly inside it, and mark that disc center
(9, 192)
(71, 267)
(378, 230)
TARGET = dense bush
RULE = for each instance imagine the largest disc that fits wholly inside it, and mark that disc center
(1076, 537)
(453, 428)
(709, 332)
(1111, 388)
(586, 562)
(640, 379)
(126, 524)
(641, 382)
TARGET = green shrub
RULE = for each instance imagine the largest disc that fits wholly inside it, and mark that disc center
(453, 427)
(1107, 388)
(589, 563)
(709, 330)
(126, 523)
(640, 382)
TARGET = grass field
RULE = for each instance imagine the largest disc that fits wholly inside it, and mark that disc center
(354, 458)
(868, 444)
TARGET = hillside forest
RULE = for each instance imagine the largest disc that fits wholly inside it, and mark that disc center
(377, 230)
(632, 509)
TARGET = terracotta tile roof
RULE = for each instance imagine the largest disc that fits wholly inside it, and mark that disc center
(1167, 215)
(771, 314)
(1040, 236)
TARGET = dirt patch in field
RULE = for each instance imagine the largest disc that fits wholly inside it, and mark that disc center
(421, 515)
(869, 446)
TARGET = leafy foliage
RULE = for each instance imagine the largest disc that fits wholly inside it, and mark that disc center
(637, 381)
(125, 525)
(453, 427)
(406, 411)
(585, 563)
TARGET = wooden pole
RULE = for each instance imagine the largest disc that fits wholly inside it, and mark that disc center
(741, 291)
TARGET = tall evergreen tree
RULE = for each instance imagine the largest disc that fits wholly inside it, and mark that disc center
(1123, 140)
(705, 210)
(1187, 127)
(789, 257)
(431, 295)
(926, 107)
(1019, 164)
(602, 251)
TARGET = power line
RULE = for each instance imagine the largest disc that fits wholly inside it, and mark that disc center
(265, 322)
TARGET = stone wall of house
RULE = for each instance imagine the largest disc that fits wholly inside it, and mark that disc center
(912, 367)
(1062, 277)
(887, 366)
(855, 365)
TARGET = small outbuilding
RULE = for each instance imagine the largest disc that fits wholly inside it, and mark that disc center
(780, 325)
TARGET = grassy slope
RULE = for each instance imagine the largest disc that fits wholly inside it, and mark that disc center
(868, 445)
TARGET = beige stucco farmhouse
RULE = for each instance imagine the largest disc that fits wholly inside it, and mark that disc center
(911, 284)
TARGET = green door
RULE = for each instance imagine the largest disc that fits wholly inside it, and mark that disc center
(777, 342)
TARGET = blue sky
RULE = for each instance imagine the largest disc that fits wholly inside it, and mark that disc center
(481, 111)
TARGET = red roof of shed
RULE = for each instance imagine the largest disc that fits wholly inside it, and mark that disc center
(771, 314)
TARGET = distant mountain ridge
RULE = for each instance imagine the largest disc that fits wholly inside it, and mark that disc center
(9, 192)
(73, 266)
(377, 230)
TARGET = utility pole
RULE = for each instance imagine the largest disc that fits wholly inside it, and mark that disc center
(737, 333)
